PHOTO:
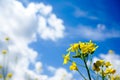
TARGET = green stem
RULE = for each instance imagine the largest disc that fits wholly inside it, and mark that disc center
(4, 67)
(81, 75)
(90, 61)
(87, 68)
(102, 75)
(109, 77)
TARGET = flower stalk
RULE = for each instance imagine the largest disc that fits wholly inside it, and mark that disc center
(81, 75)
(84, 51)
(87, 68)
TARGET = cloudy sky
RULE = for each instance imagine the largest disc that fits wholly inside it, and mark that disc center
(40, 31)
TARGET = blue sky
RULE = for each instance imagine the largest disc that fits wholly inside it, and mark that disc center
(90, 14)
(80, 12)
(71, 21)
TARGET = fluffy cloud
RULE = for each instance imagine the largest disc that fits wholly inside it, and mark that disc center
(51, 69)
(55, 29)
(29, 21)
(61, 74)
(112, 57)
(22, 25)
(99, 33)
(85, 14)
(38, 67)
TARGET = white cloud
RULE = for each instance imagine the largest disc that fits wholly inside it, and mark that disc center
(81, 13)
(101, 32)
(61, 74)
(51, 69)
(38, 67)
(113, 58)
(22, 25)
(50, 28)
(16, 19)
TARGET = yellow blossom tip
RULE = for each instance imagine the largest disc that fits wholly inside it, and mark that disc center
(66, 58)
(1, 66)
(9, 75)
(111, 52)
(1, 76)
(73, 66)
(107, 64)
(7, 38)
(4, 51)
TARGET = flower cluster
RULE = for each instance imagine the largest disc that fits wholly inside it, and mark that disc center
(104, 68)
(83, 51)
(115, 77)
(67, 59)
(4, 74)
(83, 48)
(73, 66)
(9, 76)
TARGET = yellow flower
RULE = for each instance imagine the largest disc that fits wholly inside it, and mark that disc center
(116, 77)
(96, 67)
(1, 76)
(110, 71)
(87, 47)
(9, 75)
(73, 66)
(107, 64)
(73, 47)
(1, 66)
(7, 39)
(103, 73)
(107, 71)
(113, 71)
(84, 48)
(111, 52)
(4, 51)
(100, 62)
(66, 58)
(91, 46)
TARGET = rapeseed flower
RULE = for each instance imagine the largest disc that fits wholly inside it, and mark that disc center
(110, 71)
(4, 51)
(7, 38)
(1, 76)
(97, 64)
(73, 47)
(100, 62)
(96, 67)
(73, 66)
(1, 66)
(103, 68)
(87, 47)
(83, 48)
(107, 64)
(111, 52)
(91, 46)
(116, 77)
(66, 58)
(9, 75)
